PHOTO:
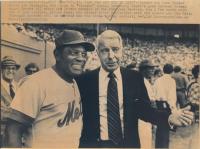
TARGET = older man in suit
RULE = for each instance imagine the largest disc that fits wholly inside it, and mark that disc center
(114, 98)
(9, 86)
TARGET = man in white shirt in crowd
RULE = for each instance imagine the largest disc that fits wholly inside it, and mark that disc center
(9, 86)
(165, 88)
(47, 107)
(147, 68)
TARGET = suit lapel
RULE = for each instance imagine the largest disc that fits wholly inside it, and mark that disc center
(5, 97)
(95, 99)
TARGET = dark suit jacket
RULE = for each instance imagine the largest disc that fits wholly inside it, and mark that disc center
(135, 101)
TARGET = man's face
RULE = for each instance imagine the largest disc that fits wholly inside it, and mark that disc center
(8, 72)
(72, 60)
(110, 53)
(31, 70)
(148, 72)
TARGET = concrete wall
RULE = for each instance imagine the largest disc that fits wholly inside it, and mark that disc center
(25, 49)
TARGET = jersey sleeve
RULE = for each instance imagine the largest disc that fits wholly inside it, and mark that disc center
(27, 102)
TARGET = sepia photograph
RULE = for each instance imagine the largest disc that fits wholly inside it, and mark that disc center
(100, 74)
(56, 85)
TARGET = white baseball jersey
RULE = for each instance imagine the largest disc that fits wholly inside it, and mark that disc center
(53, 108)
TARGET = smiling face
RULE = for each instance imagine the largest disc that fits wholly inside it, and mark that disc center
(8, 72)
(109, 50)
(71, 60)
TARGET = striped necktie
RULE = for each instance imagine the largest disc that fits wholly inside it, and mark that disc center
(12, 93)
(113, 114)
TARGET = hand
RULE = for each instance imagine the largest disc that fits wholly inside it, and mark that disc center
(181, 117)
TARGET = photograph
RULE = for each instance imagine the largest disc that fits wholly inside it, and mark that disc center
(100, 85)
(100, 74)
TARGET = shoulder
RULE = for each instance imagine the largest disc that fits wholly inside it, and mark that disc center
(37, 79)
(128, 72)
(88, 75)
(131, 74)
(44, 74)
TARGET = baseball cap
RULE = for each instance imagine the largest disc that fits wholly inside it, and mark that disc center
(72, 37)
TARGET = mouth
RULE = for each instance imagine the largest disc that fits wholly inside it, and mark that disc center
(111, 64)
(77, 66)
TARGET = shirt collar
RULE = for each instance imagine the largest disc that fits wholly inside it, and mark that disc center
(5, 83)
(104, 74)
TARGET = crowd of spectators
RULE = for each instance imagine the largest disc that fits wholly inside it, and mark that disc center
(184, 54)
(177, 52)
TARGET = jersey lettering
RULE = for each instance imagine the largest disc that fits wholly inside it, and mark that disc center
(73, 113)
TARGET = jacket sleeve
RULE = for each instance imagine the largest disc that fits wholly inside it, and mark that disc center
(146, 112)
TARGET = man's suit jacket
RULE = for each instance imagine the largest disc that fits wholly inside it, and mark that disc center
(136, 105)
(6, 99)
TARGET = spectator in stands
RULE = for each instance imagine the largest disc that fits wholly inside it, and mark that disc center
(194, 90)
(181, 86)
(165, 88)
(132, 65)
(9, 86)
(157, 73)
(146, 68)
(31, 68)
(194, 98)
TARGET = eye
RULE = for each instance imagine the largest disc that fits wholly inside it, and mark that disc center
(115, 49)
(84, 54)
(104, 50)
(75, 52)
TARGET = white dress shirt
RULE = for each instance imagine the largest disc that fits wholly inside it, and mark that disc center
(166, 90)
(145, 128)
(103, 85)
(150, 89)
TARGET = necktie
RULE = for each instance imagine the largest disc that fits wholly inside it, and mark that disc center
(113, 115)
(12, 93)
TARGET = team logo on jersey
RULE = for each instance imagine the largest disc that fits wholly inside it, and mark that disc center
(73, 113)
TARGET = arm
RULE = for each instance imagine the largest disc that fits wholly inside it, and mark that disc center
(180, 117)
(144, 109)
(14, 131)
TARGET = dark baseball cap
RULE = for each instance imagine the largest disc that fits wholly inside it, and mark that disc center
(72, 37)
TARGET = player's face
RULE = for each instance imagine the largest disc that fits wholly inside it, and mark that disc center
(8, 72)
(110, 53)
(73, 59)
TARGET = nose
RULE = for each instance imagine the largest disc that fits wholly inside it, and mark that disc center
(81, 58)
(111, 54)
(11, 70)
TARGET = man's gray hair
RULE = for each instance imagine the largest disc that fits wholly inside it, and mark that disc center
(108, 34)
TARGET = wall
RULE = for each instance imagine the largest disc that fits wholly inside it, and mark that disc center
(25, 49)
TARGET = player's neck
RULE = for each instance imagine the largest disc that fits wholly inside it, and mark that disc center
(63, 75)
